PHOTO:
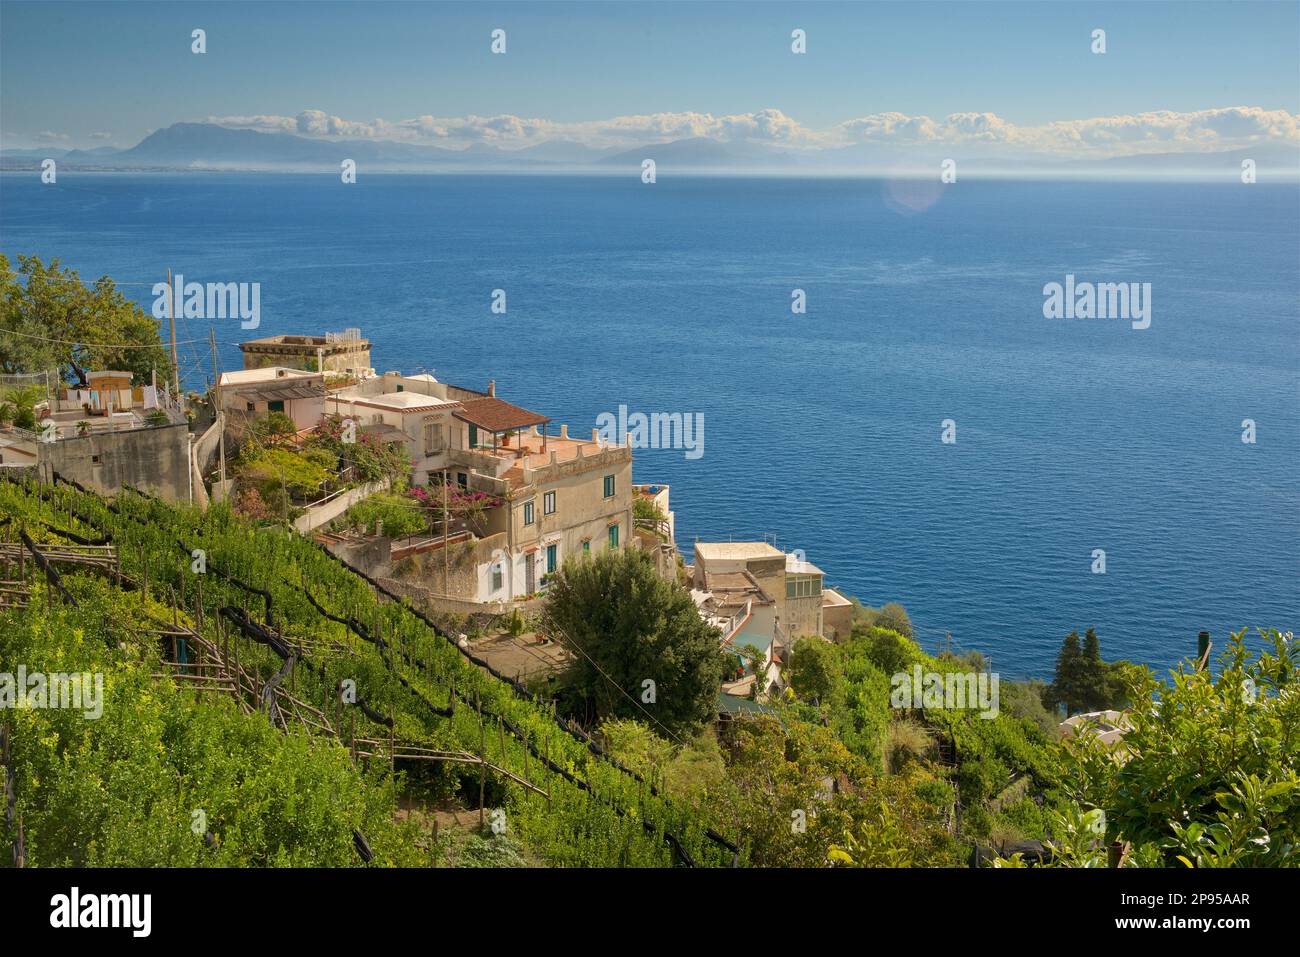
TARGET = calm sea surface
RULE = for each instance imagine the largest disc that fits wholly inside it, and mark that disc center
(822, 429)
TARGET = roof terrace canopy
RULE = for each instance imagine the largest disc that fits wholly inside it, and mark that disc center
(496, 415)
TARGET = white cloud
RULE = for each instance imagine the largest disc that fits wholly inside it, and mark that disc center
(101, 136)
(1159, 131)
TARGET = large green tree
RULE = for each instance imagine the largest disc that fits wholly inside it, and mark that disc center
(640, 649)
(1093, 677)
(814, 669)
(1068, 686)
(50, 319)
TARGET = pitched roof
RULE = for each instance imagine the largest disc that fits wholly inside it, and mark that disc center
(496, 415)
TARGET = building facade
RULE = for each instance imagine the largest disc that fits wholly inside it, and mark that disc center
(343, 353)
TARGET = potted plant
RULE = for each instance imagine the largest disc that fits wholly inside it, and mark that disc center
(7, 413)
(83, 427)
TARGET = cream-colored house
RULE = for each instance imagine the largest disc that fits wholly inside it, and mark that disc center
(760, 596)
(557, 496)
(250, 394)
(794, 584)
(837, 615)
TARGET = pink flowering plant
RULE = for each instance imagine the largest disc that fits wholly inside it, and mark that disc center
(459, 503)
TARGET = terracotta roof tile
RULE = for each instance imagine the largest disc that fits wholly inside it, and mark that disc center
(496, 415)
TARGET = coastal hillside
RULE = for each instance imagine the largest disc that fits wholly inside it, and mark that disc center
(262, 704)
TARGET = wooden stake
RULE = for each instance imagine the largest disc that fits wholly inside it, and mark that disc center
(482, 754)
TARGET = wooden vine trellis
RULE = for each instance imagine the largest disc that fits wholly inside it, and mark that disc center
(212, 667)
(286, 711)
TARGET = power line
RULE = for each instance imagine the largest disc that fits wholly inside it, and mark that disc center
(88, 286)
(93, 345)
(624, 691)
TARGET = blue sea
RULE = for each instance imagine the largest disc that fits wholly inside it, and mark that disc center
(822, 430)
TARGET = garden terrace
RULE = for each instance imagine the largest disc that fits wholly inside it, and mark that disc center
(405, 669)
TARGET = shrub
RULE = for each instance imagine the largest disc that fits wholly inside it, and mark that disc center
(394, 511)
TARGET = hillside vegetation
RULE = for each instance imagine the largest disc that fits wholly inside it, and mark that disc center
(311, 754)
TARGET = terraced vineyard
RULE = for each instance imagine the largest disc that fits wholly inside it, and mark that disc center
(285, 655)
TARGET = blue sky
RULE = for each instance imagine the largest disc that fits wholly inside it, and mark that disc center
(75, 74)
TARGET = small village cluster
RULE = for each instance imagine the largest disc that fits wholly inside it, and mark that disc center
(543, 495)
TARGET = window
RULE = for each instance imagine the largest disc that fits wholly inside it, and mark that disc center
(802, 587)
(275, 405)
(613, 536)
(609, 486)
(548, 503)
(250, 407)
(528, 513)
(586, 544)
(400, 387)
(462, 480)
(551, 555)
(498, 577)
(473, 436)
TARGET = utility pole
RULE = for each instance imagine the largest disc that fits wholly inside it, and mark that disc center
(446, 559)
(216, 403)
(171, 322)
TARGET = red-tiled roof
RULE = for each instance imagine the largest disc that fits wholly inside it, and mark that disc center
(496, 415)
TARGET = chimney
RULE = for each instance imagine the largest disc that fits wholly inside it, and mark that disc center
(564, 430)
(492, 387)
(595, 435)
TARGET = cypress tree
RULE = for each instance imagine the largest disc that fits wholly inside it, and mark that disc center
(1093, 673)
(1066, 687)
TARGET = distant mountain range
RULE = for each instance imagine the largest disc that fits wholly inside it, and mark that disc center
(206, 146)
